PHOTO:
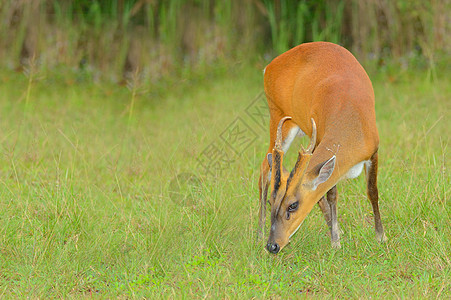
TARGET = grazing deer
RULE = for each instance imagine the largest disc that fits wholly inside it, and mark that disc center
(321, 90)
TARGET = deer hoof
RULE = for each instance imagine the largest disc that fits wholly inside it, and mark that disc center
(336, 244)
(381, 238)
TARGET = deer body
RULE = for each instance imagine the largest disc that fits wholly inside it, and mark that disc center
(326, 94)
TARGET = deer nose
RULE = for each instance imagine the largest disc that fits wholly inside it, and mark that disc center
(273, 248)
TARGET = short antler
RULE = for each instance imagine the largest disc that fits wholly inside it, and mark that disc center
(312, 144)
(304, 157)
(278, 178)
(278, 143)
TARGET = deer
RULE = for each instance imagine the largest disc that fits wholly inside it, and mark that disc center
(317, 89)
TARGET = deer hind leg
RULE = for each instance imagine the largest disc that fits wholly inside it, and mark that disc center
(334, 229)
(289, 132)
(373, 195)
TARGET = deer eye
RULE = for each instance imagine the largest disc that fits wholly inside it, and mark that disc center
(293, 206)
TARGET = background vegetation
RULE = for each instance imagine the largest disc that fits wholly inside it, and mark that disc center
(104, 190)
(179, 37)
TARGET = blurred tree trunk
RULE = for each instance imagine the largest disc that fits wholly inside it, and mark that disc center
(442, 23)
(347, 24)
(29, 50)
(132, 65)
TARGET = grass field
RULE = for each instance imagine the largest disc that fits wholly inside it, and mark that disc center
(96, 198)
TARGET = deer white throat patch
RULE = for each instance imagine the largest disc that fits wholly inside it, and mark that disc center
(294, 131)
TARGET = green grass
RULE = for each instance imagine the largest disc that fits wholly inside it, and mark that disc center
(87, 207)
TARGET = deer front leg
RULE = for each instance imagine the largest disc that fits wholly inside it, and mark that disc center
(263, 185)
(334, 231)
(325, 208)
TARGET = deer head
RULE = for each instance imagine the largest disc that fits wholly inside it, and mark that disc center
(291, 193)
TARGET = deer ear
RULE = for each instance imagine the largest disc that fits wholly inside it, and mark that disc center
(269, 158)
(325, 171)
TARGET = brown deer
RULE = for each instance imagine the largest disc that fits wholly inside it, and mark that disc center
(321, 90)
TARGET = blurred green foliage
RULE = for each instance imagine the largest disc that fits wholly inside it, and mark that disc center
(173, 36)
